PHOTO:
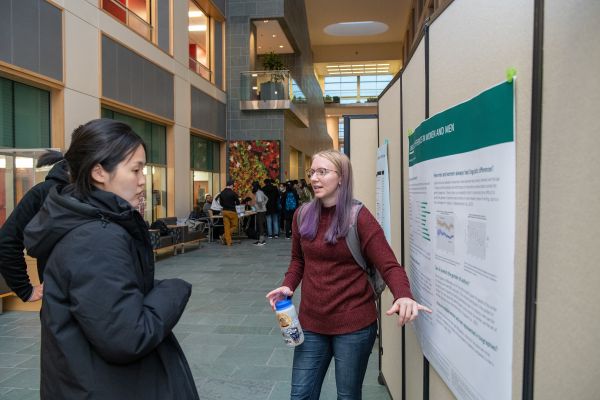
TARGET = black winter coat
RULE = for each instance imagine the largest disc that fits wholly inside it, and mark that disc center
(106, 324)
(12, 260)
(273, 195)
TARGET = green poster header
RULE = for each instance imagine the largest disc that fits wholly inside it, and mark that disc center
(485, 120)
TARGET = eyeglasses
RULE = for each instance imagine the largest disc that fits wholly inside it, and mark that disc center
(321, 172)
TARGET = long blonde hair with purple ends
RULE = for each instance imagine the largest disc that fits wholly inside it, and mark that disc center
(311, 213)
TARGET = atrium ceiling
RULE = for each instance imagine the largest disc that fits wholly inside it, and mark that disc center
(353, 50)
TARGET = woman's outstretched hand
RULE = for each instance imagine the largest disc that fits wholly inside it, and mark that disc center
(278, 294)
(407, 309)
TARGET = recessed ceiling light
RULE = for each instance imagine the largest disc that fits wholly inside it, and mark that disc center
(197, 28)
(274, 35)
(358, 28)
(281, 46)
(260, 47)
(254, 75)
(266, 21)
(254, 87)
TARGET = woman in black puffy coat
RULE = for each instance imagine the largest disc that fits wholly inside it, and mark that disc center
(106, 323)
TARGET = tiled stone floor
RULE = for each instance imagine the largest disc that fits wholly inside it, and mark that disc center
(228, 330)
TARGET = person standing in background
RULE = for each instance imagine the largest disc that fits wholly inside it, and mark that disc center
(260, 202)
(289, 203)
(303, 192)
(229, 199)
(207, 203)
(272, 213)
(12, 258)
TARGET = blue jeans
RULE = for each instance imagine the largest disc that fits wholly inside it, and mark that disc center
(273, 224)
(351, 354)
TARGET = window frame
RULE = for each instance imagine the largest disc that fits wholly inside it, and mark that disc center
(209, 44)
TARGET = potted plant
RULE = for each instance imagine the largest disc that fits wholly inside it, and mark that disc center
(327, 99)
(273, 89)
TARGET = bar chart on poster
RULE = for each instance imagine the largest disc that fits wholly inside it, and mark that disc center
(462, 232)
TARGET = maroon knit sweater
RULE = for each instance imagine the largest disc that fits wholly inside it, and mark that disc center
(336, 295)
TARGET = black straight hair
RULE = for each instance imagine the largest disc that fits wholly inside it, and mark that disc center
(50, 157)
(100, 141)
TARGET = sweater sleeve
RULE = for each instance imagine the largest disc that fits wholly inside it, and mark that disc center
(377, 251)
(295, 271)
(12, 259)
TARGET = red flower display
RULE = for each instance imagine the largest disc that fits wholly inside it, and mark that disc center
(253, 160)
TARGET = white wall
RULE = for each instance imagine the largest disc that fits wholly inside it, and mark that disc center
(567, 356)
(391, 334)
(363, 138)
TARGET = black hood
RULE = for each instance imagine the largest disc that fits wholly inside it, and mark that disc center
(59, 173)
(63, 211)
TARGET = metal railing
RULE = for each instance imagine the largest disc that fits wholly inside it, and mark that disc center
(265, 85)
(128, 17)
(273, 90)
(200, 69)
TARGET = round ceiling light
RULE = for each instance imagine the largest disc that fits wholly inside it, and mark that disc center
(359, 28)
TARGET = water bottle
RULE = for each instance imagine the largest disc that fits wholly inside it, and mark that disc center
(289, 323)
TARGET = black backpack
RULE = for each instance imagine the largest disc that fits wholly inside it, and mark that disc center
(161, 226)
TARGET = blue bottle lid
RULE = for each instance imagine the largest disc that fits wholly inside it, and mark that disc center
(283, 304)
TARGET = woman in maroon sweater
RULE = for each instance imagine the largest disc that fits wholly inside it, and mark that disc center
(337, 310)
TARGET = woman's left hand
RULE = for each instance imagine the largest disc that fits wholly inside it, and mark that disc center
(407, 309)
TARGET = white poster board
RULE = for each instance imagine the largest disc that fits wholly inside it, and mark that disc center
(382, 182)
(462, 241)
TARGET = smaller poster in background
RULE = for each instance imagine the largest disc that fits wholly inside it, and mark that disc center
(382, 190)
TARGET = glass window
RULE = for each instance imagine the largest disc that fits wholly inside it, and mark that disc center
(155, 205)
(155, 137)
(199, 40)
(24, 124)
(133, 13)
(356, 88)
(24, 115)
(341, 133)
(17, 175)
(205, 168)
(7, 132)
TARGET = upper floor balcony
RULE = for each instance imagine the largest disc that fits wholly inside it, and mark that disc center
(273, 90)
(137, 19)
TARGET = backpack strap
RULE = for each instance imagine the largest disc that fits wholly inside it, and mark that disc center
(352, 239)
(353, 243)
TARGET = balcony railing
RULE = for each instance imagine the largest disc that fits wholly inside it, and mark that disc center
(128, 17)
(273, 90)
(200, 69)
(265, 85)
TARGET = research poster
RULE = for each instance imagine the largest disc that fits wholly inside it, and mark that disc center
(462, 241)
(382, 190)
